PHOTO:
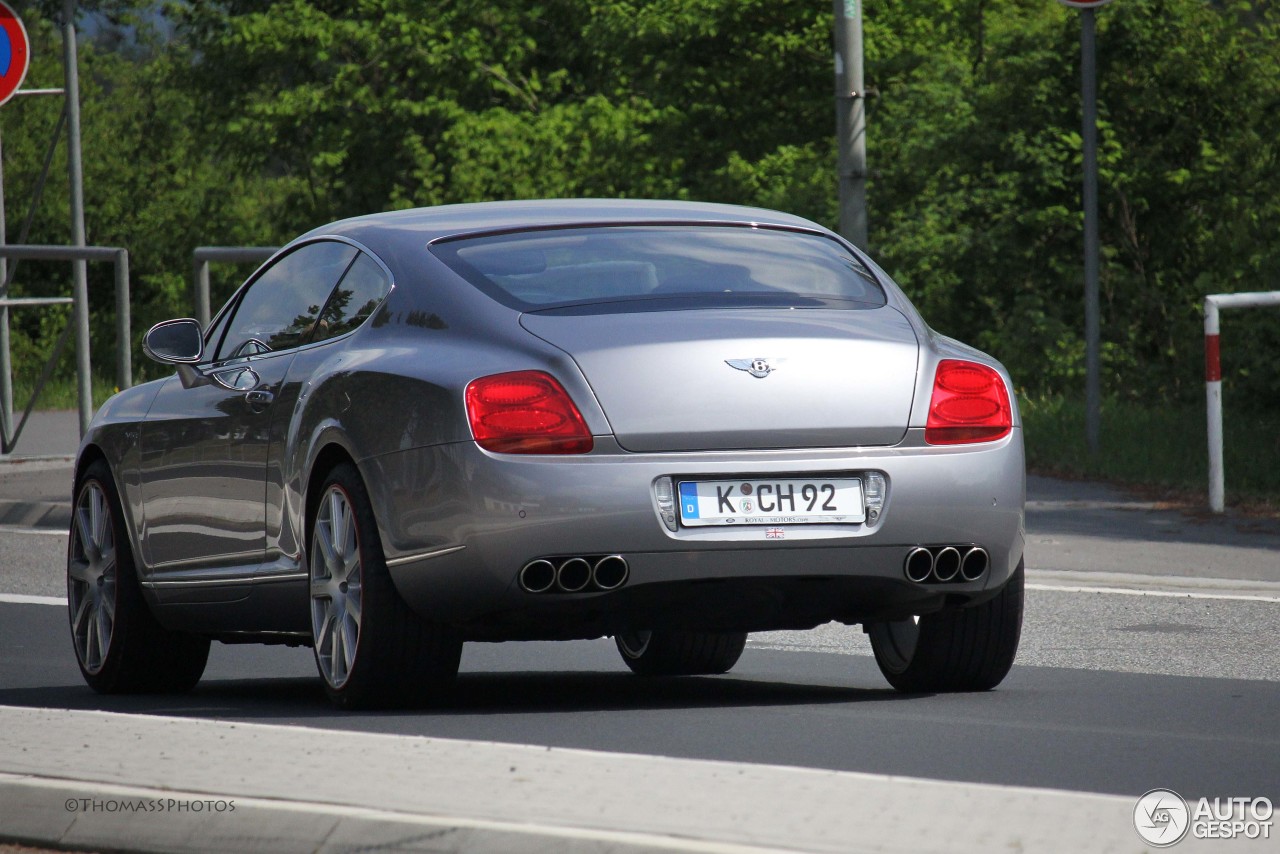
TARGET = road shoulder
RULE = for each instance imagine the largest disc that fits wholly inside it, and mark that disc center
(328, 791)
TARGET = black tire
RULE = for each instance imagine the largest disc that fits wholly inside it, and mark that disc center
(966, 649)
(388, 657)
(680, 653)
(120, 647)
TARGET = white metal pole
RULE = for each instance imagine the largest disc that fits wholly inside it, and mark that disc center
(1213, 304)
(1213, 394)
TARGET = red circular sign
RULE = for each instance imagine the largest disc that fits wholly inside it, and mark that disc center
(15, 52)
(1084, 4)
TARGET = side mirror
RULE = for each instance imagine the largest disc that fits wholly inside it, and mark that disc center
(174, 342)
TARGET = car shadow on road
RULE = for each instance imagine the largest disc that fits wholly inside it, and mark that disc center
(474, 694)
(526, 693)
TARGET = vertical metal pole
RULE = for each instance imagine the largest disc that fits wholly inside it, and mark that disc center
(202, 293)
(124, 350)
(1092, 333)
(851, 122)
(1213, 394)
(6, 356)
(75, 172)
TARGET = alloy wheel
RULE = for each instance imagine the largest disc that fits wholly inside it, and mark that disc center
(336, 586)
(92, 576)
(634, 644)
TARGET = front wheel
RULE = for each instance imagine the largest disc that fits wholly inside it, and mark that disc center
(680, 653)
(371, 649)
(967, 649)
(120, 646)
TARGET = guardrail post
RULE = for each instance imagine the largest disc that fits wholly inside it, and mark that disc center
(1213, 395)
(234, 254)
(80, 313)
(84, 375)
(1214, 303)
(124, 348)
(202, 290)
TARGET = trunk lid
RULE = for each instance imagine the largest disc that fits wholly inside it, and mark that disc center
(728, 379)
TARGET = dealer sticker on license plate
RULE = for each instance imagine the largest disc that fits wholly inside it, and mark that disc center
(771, 502)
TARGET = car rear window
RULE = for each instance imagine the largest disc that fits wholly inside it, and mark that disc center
(720, 265)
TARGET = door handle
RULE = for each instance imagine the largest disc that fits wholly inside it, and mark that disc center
(259, 399)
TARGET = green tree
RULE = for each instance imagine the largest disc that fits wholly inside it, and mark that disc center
(977, 158)
(150, 186)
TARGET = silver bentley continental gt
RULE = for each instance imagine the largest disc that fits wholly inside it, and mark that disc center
(668, 423)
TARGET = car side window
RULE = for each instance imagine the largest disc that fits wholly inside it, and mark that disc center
(354, 299)
(281, 307)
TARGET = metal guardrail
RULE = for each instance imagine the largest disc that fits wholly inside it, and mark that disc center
(1213, 382)
(227, 254)
(80, 322)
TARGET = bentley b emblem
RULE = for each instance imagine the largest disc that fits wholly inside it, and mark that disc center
(758, 368)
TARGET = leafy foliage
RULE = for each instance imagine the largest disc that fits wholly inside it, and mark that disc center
(247, 121)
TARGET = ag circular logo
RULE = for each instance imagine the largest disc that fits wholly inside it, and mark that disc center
(1161, 818)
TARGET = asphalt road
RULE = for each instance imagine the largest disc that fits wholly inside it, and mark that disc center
(1150, 658)
(1191, 705)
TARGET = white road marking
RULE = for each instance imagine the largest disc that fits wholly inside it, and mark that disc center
(1171, 594)
(39, 532)
(21, 599)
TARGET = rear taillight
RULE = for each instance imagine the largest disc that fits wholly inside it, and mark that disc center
(969, 404)
(526, 412)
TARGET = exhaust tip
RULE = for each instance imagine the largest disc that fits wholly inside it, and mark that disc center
(537, 576)
(918, 565)
(947, 564)
(573, 575)
(974, 563)
(610, 572)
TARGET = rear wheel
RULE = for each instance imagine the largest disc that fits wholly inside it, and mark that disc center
(968, 649)
(680, 653)
(120, 646)
(371, 649)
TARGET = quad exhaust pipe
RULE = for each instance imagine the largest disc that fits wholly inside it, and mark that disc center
(610, 572)
(574, 574)
(943, 564)
(974, 564)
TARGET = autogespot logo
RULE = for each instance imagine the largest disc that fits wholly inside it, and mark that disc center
(1161, 817)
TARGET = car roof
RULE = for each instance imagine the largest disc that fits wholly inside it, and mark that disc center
(424, 225)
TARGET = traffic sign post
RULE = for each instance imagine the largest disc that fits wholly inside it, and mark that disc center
(15, 52)
(15, 57)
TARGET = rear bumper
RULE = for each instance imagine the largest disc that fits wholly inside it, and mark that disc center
(458, 524)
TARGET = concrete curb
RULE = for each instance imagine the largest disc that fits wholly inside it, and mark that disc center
(31, 490)
(36, 514)
(66, 777)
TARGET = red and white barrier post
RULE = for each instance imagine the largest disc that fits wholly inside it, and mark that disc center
(1213, 381)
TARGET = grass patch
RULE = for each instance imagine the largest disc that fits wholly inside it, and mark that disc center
(60, 393)
(1157, 448)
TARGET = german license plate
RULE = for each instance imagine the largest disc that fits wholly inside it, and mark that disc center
(789, 501)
